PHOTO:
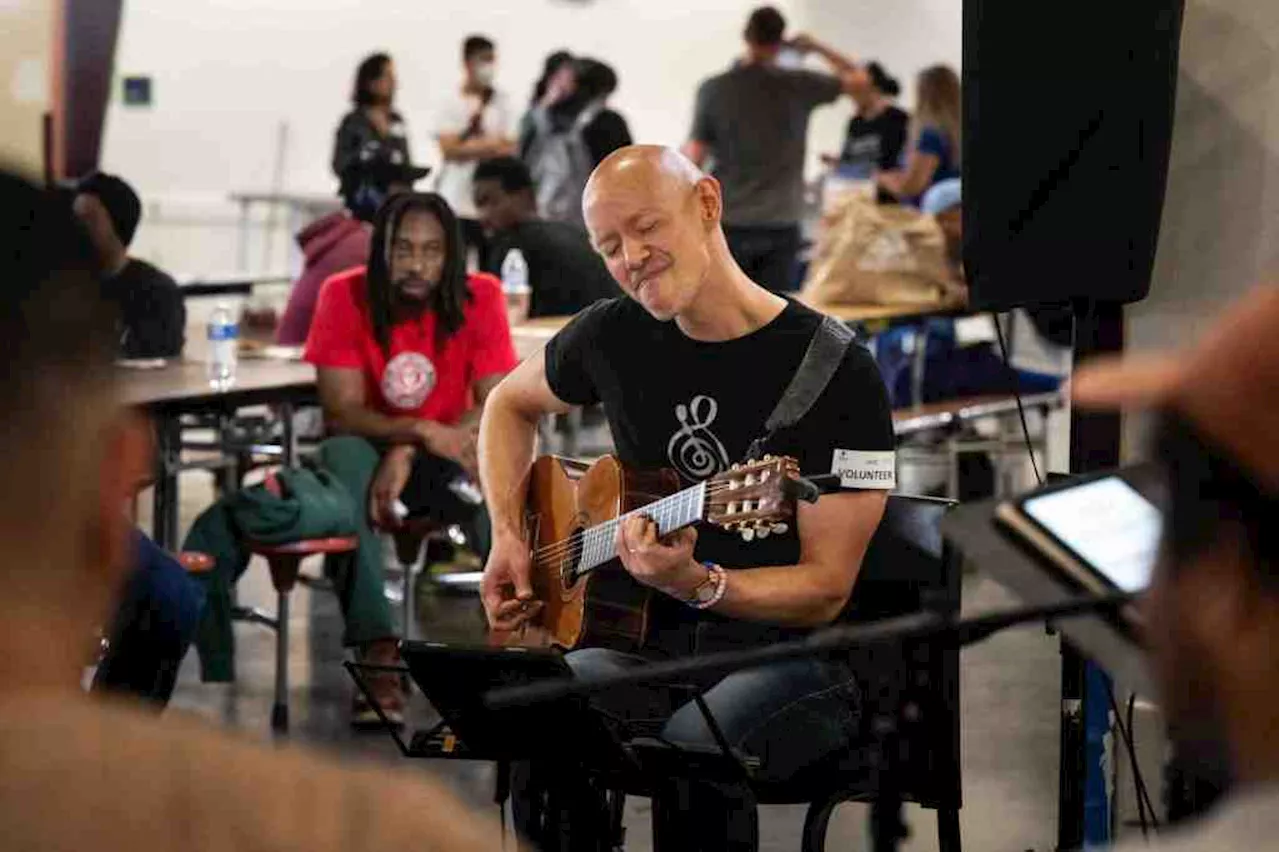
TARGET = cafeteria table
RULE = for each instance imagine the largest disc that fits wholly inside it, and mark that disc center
(168, 390)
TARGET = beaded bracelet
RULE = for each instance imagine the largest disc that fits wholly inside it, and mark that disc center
(718, 576)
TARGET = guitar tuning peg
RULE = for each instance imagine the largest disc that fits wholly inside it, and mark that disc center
(735, 466)
(732, 508)
(748, 506)
(747, 533)
(749, 479)
(768, 458)
(779, 528)
(763, 530)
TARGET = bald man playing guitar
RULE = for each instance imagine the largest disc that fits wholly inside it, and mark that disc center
(688, 364)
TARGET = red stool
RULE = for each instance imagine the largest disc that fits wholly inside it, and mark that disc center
(283, 560)
(195, 562)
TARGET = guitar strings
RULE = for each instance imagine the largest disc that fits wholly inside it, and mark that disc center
(559, 548)
(574, 547)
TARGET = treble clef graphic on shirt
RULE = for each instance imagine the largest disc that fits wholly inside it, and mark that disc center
(694, 450)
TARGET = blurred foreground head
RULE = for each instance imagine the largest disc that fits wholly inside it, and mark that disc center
(1212, 608)
(69, 457)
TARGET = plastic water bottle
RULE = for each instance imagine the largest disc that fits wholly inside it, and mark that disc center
(515, 285)
(224, 341)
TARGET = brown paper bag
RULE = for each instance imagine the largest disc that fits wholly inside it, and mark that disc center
(880, 254)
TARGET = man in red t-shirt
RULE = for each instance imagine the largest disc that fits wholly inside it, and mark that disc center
(406, 350)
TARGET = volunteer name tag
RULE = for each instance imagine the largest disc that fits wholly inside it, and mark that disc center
(872, 469)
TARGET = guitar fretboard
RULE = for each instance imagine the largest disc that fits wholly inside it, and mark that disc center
(599, 543)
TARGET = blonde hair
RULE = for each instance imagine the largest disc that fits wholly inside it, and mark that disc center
(938, 105)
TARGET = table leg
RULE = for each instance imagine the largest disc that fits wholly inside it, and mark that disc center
(289, 442)
(165, 497)
(572, 431)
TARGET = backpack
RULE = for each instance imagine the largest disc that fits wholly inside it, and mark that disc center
(560, 163)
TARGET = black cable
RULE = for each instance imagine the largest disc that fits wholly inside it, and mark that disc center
(1128, 723)
(1140, 785)
(1151, 811)
(1017, 397)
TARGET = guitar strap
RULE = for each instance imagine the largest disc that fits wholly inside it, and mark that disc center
(821, 360)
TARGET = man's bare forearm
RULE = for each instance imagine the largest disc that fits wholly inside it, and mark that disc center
(801, 595)
(507, 438)
(367, 423)
(841, 62)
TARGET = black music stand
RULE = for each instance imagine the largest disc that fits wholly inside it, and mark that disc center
(570, 732)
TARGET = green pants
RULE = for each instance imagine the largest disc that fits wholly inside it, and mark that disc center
(359, 582)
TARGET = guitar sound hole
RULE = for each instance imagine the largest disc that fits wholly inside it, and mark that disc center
(569, 561)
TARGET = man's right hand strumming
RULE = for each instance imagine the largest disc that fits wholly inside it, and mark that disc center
(505, 589)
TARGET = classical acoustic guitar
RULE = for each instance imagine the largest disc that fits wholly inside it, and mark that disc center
(571, 524)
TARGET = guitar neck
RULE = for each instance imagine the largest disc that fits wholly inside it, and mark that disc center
(679, 510)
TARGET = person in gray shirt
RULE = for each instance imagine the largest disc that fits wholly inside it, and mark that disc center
(749, 128)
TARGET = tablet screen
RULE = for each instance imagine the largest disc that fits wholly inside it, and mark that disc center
(1108, 524)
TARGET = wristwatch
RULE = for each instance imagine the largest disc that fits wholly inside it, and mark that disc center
(710, 591)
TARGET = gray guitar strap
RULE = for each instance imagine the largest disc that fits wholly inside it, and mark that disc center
(821, 360)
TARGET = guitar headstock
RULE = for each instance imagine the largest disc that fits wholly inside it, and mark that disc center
(751, 499)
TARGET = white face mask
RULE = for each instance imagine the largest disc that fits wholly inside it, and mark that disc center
(484, 73)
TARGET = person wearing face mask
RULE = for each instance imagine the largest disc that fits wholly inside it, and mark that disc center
(475, 124)
(406, 351)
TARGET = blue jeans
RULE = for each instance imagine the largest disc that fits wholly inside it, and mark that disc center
(156, 621)
(789, 715)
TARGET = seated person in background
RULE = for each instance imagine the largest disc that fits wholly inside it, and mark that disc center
(1210, 616)
(406, 351)
(934, 154)
(340, 241)
(563, 273)
(688, 365)
(77, 773)
(153, 317)
(942, 202)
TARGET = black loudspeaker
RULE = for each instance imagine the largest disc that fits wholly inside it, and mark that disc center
(1068, 117)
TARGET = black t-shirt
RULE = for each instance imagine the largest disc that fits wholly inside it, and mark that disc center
(153, 317)
(565, 274)
(874, 143)
(674, 402)
(604, 134)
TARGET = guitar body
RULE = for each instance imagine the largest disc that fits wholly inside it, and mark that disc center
(606, 607)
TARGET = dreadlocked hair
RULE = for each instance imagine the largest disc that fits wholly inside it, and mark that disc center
(450, 295)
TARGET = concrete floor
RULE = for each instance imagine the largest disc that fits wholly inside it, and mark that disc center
(1009, 714)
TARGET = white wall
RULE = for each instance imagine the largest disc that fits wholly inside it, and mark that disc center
(1218, 233)
(228, 73)
(26, 68)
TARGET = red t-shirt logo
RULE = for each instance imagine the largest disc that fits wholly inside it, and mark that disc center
(408, 379)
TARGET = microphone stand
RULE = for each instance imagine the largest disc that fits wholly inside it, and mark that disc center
(887, 826)
(923, 625)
